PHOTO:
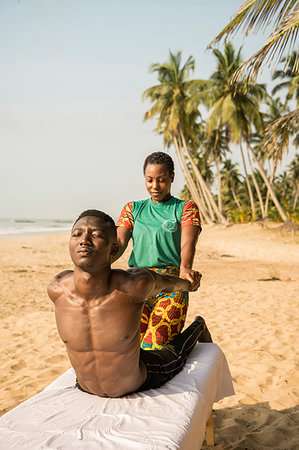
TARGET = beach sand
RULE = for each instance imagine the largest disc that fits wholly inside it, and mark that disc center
(249, 298)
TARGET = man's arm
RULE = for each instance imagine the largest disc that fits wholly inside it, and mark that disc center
(145, 283)
(168, 283)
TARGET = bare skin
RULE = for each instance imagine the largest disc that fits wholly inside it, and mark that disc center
(158, 182)
(98, 311)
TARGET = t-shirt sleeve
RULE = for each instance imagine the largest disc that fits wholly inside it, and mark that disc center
(190, 215)
(126, 217)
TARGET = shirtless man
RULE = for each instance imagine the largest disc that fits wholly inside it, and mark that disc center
(98, 312)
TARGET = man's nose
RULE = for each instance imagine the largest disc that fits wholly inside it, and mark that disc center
(85, 239)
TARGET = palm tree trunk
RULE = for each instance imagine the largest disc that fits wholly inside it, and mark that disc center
(219, 185)
(268, 193)
(205, 202)
(236, 199)
(205, 199)
(202, 181)
(248, 185)
(256, 187)
(198, 180)
(190, 183)
(270, 188)
(296, 198)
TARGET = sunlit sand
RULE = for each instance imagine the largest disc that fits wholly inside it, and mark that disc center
(249, 298)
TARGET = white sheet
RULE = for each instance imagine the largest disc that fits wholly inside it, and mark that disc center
(171, 417)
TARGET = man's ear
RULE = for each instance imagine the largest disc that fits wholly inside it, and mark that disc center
(114, 249)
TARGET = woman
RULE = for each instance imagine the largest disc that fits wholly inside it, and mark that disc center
(164, 230)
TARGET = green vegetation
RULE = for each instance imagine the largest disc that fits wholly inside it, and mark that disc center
(240, 113)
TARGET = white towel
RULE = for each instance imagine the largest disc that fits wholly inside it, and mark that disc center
(171, 417)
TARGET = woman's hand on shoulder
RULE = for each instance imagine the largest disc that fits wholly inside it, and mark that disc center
(193, 276)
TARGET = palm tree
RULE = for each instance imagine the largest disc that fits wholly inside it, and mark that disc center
(274, 151)
(216, 146)
(256, 15)
(294, 177)
(279, 132)
(176, 122)
(234, 105)
(205, 169)
(231, 178)
(290, 79)
(237, 107)
(256, 185)
(284, 188)
(203, 164)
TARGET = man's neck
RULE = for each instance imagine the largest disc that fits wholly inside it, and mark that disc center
(89, 285)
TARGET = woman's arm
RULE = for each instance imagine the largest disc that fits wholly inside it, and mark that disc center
(123, 237)
(124, 225)
(189, 237)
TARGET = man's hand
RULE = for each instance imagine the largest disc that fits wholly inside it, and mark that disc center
(193, 276)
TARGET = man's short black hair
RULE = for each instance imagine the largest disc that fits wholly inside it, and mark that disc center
(159, 158)
(101, 215)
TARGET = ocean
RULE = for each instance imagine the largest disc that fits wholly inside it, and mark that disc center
(33, 227)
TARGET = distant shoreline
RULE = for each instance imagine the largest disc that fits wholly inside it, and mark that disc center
(35, 234)
(10, 228)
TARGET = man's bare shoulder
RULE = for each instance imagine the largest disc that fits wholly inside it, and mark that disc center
(137, 282)
(56, 286)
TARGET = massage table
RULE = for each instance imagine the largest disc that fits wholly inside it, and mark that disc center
(171, 417)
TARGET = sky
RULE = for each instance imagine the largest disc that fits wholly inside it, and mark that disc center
(71, 82)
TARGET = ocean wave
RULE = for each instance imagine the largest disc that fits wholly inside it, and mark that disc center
(11, 228)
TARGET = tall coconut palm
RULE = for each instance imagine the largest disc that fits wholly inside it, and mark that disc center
(255, 15)
(216, 149)
(273, 151)
(205, 169)
(170, 98)
(289, 77)
(286, 126)
(204, 166)
(294, 177)
(278, 133)
(256, 185)
(274, 148)
(232, 105)
(231, 178)
(236, 106)
(283, 187)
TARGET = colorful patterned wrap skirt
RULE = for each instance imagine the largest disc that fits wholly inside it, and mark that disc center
(163, 315)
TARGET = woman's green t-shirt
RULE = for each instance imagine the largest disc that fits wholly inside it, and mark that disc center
(157, 233)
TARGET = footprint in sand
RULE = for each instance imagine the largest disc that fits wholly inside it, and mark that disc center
(20, 365)
(55, 358)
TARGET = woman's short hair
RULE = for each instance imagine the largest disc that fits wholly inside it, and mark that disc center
(159, 158)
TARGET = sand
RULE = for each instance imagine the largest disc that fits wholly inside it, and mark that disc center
(249, 298)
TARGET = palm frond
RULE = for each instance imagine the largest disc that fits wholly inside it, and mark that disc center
(155, 92)
(256, 15)
(277, 134)
(284, 34)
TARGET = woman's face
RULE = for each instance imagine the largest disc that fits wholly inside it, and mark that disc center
(158, 182)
